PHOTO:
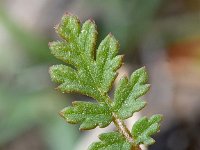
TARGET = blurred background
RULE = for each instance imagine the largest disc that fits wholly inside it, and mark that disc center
(163, 35)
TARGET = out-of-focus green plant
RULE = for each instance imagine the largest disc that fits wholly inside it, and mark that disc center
(27, 102)
(32, 43)
(130, 20)
(28, 111)
(92, 73)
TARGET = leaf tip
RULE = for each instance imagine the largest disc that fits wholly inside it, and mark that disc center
(68, 14)
(91, 21)
(56, 27)
(50, 44)
(110, 34)
(62, 113)
(160, 117)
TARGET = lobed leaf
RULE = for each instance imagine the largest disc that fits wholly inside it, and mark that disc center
(90, 115)
(144, 128)
(126, 96)
(91, 72)
(95, 71)
(111, 141)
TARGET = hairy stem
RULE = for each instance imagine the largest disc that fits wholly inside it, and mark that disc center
(121, 127)
(124, 131)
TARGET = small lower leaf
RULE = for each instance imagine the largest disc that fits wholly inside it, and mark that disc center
(111, 141)
(127, 95)
(144, 128)
(90, 115)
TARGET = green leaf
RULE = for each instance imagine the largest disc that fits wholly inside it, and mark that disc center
(111, 141)
(92, 72)
(90, 115)
(144, 128)
(126, 96)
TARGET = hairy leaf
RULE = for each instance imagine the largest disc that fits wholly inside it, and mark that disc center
(144, 128)
(88, 114)
(126, 96)
(94, 72)
(91, 71)
(111, 141)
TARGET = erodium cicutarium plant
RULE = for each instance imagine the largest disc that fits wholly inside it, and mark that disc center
(91, 72)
